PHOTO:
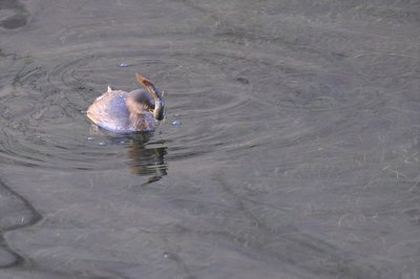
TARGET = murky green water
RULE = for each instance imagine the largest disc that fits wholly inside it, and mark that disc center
(290, 148)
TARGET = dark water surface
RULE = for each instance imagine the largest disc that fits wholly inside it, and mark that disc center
(295, 152)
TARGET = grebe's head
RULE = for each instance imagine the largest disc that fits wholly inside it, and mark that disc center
(159, 106)
(159, 113)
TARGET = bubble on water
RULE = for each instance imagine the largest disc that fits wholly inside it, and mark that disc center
(166, 255)
(122, 142)
(123, 65)
(176, 123)
(101, 143)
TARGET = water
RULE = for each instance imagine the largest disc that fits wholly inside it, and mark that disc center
(297, 156)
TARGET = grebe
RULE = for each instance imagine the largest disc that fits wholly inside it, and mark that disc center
(124, 112)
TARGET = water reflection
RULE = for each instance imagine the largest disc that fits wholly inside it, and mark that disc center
(145, 157)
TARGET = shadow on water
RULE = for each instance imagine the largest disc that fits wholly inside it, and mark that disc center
(28, 217)
(16, 15)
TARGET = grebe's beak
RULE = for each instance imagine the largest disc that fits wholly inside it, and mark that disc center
(159, 111)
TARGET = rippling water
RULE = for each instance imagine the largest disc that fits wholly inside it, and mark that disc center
(289, 150)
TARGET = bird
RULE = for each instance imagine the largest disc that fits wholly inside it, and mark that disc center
(119, 111)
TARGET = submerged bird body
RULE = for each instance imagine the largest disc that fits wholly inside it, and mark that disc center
(124, 112)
